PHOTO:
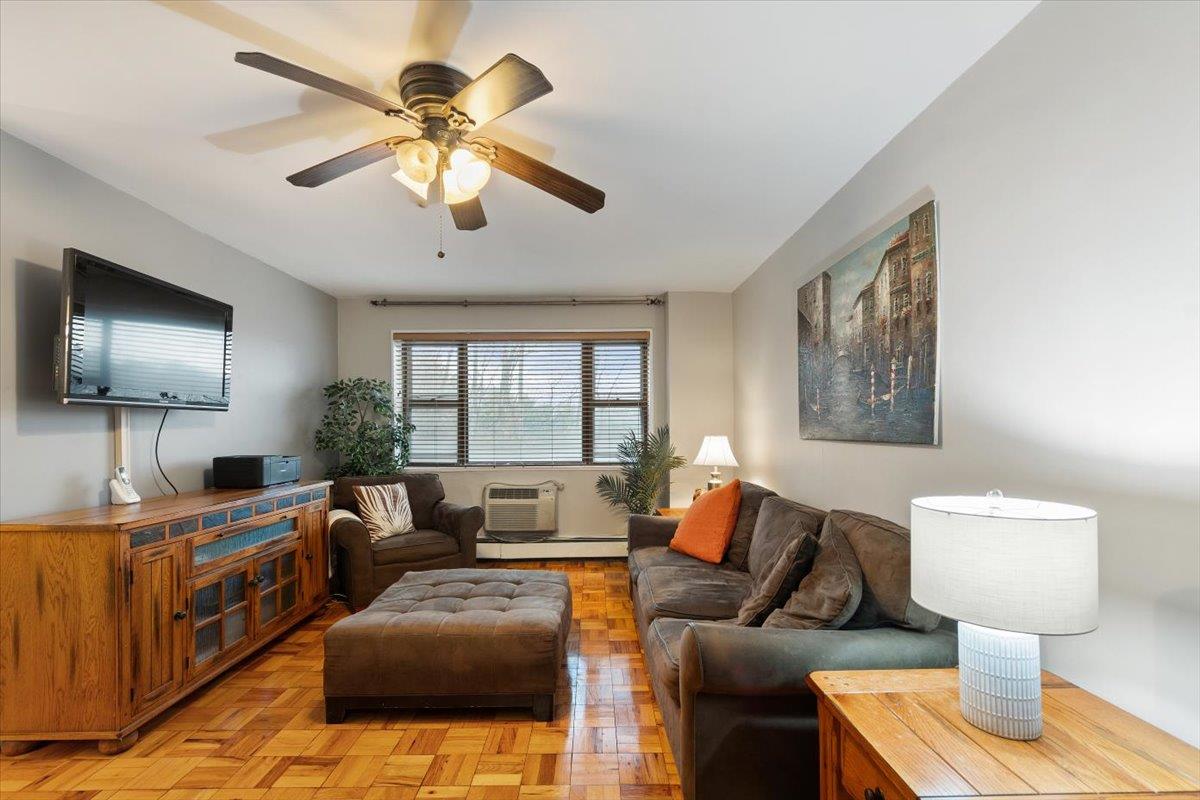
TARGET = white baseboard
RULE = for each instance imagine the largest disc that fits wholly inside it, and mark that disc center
(616, 548)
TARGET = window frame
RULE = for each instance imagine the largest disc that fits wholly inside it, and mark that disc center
(589, 404)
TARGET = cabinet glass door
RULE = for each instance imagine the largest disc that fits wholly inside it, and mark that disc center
(276, 582)
(220, 610)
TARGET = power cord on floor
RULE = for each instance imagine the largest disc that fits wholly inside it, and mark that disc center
(158, 436)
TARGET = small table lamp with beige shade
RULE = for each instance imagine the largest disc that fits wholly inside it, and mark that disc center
(715, 452)
(1008, 570)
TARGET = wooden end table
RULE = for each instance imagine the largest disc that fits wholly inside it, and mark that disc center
(899, 735)
(670, 512)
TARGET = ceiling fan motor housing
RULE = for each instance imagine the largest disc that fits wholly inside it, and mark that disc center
(426, 86)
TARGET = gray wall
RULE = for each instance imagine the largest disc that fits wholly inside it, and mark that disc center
(60, 457)
(365, 349)
(699, 383)
(1067, 171)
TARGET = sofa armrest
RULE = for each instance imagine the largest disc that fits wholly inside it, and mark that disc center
(461, 522)
(352, 547)
(648, 531)
(731, 660)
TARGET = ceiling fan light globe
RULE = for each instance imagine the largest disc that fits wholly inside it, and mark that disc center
(421, 190)
(418, 159)
(452, 189)
(473, 172)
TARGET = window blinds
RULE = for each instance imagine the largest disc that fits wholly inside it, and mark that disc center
(521, 399)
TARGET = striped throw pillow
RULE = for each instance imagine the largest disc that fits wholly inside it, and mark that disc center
(384, 509)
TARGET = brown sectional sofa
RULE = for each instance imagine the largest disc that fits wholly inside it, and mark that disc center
(740, 719)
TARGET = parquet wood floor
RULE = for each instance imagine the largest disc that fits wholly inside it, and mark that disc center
(259, 732)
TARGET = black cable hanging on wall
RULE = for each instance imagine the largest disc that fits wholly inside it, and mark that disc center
(158, 436)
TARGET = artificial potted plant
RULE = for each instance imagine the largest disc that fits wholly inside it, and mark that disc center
(362, 426)
(646, 464)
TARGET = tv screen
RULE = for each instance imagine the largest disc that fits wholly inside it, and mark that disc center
(133, 340)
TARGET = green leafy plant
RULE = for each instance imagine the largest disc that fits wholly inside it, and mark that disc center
(646, 465)
(361, 425)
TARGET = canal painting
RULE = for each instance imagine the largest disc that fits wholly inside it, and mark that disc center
(867, 340)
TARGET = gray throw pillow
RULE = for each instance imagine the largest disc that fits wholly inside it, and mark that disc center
(793, 560)
(829, 594)
(743, 530)
(882, 549)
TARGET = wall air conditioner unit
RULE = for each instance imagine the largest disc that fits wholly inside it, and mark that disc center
(512, 508)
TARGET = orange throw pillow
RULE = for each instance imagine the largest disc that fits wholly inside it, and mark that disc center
(706, 528)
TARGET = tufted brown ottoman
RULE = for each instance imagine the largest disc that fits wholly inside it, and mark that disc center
(452, 638)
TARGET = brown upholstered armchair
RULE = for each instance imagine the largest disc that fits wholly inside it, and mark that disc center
(444, 538)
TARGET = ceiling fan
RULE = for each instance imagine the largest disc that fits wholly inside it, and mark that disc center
(445, 162)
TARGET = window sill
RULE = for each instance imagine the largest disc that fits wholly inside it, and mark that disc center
(517, 468)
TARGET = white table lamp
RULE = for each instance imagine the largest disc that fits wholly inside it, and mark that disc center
(715, 452)
(1007, 570)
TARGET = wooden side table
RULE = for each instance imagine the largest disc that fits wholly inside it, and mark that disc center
(670, 512)
(898, 735)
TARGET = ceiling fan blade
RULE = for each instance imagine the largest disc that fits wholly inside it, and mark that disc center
(509, 83)
(346, 163)
(435, 29)
(545, 177)
(316, 80)
(468, 215)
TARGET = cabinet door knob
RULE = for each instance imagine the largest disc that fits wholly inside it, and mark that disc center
(180, 615)
(873, 794)
(308, 556)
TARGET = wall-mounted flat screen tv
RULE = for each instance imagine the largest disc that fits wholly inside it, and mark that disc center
(132, 340)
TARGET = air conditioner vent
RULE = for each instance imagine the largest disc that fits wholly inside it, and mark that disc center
(520, 509)
(513, 493)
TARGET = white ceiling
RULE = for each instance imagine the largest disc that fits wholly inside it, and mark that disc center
(715, 128)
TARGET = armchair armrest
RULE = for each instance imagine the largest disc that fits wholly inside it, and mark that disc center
(461, 522)
(352, 549)
(726, 659)
(648, 531)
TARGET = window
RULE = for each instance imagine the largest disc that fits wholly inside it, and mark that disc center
(514, 399)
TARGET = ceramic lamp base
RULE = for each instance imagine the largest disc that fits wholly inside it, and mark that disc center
(1000, 681)
(714, 480)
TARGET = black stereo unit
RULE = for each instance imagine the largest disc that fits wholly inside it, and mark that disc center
(254, 472)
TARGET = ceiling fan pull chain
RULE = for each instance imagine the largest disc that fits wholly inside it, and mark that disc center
(441, 250)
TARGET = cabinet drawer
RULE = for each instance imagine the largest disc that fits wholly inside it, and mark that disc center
(210, 551)
(862, 778)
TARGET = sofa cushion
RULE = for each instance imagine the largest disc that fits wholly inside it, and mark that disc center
(743, 531)
(690, 593)
(706, 528)
(645, 557)
(792, 562)
(830, 593)
(882, 551)
(424, 492)
(420, 545)
(779, 521)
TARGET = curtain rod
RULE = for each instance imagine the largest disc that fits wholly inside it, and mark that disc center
(564, 301)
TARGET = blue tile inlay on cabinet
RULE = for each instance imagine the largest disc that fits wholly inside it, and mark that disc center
(147, 536)
(184, 527)
(214, 519)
